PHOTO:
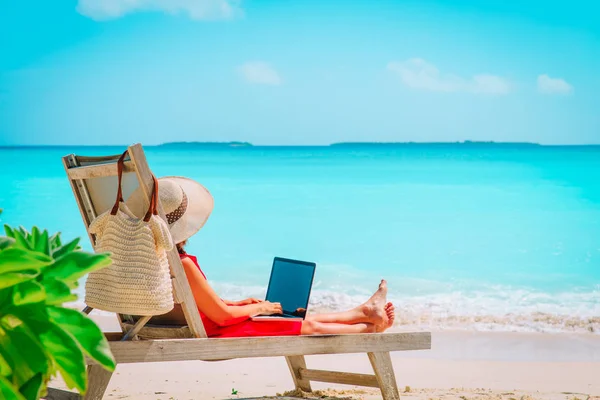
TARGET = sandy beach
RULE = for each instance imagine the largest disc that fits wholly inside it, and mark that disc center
(460, 365)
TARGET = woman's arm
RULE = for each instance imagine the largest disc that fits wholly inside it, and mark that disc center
(214, 308)
(244, 302)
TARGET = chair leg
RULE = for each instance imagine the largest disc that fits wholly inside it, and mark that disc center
(384, 371)
(295, 363)
(130, 335)
(58, 394)
(98, 379)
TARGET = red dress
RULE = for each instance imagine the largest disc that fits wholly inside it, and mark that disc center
(247, 327)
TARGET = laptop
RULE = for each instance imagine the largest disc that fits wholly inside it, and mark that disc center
(290, 284)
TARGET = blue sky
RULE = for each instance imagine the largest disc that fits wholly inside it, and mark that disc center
(298, 72)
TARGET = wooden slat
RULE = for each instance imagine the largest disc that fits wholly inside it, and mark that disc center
(81, 196)
(296, 364)
(59, 394)
(181, 284)
(384, 371)
(113, 336)
(130, 334)
(215, 349)
(98, 380)
(99, 171)
(85, 160)
(344, 378)
(176, 297)
(162, 332)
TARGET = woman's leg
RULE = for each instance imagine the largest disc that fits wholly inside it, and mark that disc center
(349, 317)
(323, 328)
(354, 316)
(374, 311)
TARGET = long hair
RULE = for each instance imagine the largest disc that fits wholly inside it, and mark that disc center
(180, 247)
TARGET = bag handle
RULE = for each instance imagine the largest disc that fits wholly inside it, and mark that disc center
(152, 209)
(120, 165)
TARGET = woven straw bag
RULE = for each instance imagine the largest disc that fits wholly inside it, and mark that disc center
(138, 282)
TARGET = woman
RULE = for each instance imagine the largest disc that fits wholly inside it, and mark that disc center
(187, 206)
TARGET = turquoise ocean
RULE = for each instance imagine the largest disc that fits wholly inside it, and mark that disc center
(476, 237)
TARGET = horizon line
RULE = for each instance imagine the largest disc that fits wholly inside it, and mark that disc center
(249, 144)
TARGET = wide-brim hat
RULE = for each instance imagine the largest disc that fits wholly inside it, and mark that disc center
(186, 203)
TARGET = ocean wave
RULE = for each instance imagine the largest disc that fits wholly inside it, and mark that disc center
(495, 309)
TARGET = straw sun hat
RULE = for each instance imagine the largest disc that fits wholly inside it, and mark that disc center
(186, 203)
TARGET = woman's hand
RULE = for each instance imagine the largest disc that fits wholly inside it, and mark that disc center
(243, 302)
(251, 300)
(268, 308)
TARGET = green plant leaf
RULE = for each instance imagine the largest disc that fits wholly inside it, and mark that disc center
(13, 278)
(21, 349)
(86, 333)
(32, 388)
(41, 243)
(28, 292)
(5, 369)
(15, 259)
(73, 285)
(8, 392)
(67, 248)
(24, 232)
(21, 240)
(67, 355)
(55, 242)
(57, 292)
(34, 237)
(73, 266)
(18, 265)
(35, 316)
(9, 231)
(5, 242)
(5, 299)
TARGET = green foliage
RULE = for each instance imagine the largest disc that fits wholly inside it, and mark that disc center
(39, 337)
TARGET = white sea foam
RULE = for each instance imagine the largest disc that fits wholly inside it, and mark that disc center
(495, 309)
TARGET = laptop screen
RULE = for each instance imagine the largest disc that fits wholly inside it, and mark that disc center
(290, 285)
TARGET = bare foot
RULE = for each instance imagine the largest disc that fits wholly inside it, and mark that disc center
(390, 312)
(374, 308)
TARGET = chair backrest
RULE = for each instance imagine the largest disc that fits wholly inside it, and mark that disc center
(94, 184)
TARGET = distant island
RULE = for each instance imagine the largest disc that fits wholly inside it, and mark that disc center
(354, 144)
(206, 144)
(429, 144)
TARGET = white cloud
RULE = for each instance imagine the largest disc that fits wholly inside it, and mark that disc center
(417, 73)
(259, 72)
(195, 9)
(549, 85)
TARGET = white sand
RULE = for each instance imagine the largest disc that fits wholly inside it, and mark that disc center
(460, 366)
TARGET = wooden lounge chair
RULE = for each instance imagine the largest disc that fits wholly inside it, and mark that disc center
(93, 180)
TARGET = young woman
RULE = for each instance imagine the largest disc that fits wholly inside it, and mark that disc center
(187, 206)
